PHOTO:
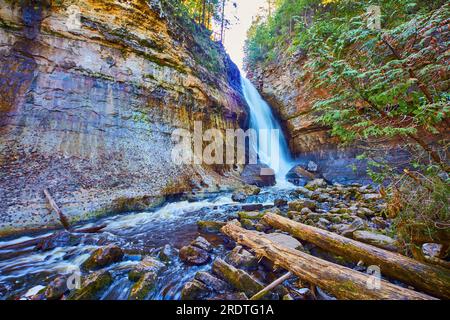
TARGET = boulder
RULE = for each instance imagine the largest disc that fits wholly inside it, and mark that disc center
(298, 205)
(252, 207)
(259, 175)
(285, 240)
(56, 289)
(280, 203)
(238, 278)
(143, 286)
(255, 215)
(299, 175)
(239, 196)
(315, 184)
(312, 166)
(167, 253)
(211, 281)
(194, 255)
(371, 196)
(376, 239)
(202, 243)
(210, 226)
(357, 224)
(59, 239)
(92, 285)
(241, 258)
(103, 257)
(147, 265)
(194, 290)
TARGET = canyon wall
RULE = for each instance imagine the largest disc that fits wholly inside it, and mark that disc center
(91, 93)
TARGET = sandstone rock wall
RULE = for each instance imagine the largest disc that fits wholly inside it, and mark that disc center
(88, 110)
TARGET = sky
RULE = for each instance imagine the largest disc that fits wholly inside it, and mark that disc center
(235, 36)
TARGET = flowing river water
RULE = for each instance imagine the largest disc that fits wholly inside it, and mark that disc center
(146, 233)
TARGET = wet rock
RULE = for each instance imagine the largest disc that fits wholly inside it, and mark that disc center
(316, 183)
(432, 250)
(194, 255)
(376, 239)
(239, 279)
(252, 207)
(103, 257)
(210, 226)
(371, 196)
(304, 192)
(56, 289)
(285, 240)
(280, 203)
(288, 297)
(239, 196)
(35, 293)
(167, 253)
(365, 213)
(202, 243)
(299, 175)
(259, 175)
(211, 281)
(92, 285)
(298, 205)
(380, 222)
(143, 286)
(147, 265)
(312, 166)
(59, 239)
(237, 296)
(255, 215)
(194, 290)
(357, 224)
(241, 258)
(262, 227)
(248, 224)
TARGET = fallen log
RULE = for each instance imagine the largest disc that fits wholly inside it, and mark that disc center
(432, 279)
(62, 217)
(342, 282)
(261, 294)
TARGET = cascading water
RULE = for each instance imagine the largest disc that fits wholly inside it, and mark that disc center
(272, 147)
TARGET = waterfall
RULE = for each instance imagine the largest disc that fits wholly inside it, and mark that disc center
(272, 147)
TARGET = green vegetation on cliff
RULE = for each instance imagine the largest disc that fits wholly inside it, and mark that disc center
(383, 85)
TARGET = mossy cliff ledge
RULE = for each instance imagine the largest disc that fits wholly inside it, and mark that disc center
(88, 108)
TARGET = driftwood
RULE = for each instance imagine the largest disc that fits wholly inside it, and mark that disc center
(261, 294)
(432, 279)
(55, 207)
(342, 282)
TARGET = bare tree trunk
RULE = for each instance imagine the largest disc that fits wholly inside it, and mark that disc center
(62, 217)
(342, 282)
(431, 279)
(222, 27)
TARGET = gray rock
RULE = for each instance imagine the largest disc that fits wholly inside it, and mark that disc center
(147, 265)
(238, 278)
(202, 243)
(241, 258)
(194, 255)
(376, 239)
(210, 281)
(194, 290)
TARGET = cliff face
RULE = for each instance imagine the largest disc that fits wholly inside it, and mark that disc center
(88, 108)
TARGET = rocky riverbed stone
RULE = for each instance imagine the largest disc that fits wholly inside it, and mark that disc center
(241, 258)
(213, 283)
(376, 239)
(143, 286)
(238, 278)
(254, 215)
(210, 226)
(147, 265)
(103, 257)
(92, 285)
(194, 290)
(194, 255)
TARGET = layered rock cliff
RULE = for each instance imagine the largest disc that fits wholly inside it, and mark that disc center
(91, 93)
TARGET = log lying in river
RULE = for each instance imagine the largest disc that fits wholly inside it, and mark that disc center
(342, 282)
(432, 279)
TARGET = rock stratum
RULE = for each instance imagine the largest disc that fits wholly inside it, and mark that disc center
(91, 93)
